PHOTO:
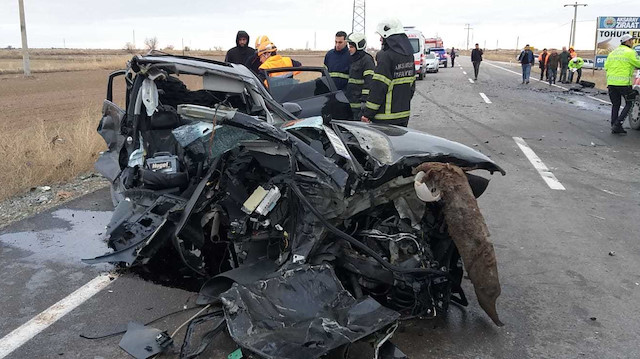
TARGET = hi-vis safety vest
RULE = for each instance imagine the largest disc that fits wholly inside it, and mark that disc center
(277, 61)
(620, 65)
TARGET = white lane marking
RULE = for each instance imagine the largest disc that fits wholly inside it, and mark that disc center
(42, 321)
(558, 86)
(464, 72)
(597, 99)
(484, 97)
(470, 80)
(537, 163)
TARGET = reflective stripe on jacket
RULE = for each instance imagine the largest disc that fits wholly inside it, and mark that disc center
(392, 87)
(620, 65)
(338, 63)
(360, 74)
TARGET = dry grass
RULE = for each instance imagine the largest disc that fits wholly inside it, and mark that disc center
(45, 155)
(64, 64)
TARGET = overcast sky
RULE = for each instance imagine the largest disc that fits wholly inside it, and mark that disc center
(205, 24)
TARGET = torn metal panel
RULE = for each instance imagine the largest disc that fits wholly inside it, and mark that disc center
(136, 221)
(300, 314)
(390, 144)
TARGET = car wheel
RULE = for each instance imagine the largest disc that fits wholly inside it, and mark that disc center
(445, 65)
(634, 114)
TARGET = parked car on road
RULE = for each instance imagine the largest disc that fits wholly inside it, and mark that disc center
(442, 55)
(589, 64)
(432, 62)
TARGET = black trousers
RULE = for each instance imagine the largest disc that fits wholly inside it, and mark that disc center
(542, 70)
(563, 72)
(476, 68)
(615, 94)
(453, 60)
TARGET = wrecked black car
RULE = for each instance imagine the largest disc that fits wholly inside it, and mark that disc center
(302, 236)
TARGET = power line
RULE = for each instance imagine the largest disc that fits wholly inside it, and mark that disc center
(468, 29)
(575, 15)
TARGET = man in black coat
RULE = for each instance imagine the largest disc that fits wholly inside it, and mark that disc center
(393, 81)
(241, 52)
(476, 59)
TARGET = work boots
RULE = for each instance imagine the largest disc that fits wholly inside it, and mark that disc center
(617, 129)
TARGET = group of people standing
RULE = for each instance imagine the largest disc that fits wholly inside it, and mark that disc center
(549, 62)
(379, 93)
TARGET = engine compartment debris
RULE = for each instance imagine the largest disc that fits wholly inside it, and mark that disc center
(307, 235)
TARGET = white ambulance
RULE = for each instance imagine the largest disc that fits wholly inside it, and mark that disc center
(417, 41)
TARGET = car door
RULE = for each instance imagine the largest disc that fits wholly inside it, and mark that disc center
(310, 87)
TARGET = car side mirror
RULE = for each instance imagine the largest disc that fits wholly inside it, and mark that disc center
(292, 107)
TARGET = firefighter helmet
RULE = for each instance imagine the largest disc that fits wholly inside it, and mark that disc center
(358, 40)
(388, 27)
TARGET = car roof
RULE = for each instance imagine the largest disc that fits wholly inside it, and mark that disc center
(199, 63)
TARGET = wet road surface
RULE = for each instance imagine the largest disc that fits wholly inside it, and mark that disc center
(563, 294)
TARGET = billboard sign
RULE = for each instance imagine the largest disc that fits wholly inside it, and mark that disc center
(609, 31)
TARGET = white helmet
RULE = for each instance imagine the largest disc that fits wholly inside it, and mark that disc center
(358, 39)
(625, 38)
(388, 27)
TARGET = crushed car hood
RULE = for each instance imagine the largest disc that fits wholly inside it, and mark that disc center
(391, 144)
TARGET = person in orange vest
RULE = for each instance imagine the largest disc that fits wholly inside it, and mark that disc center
(573, 53)
(267, 52)
(542, 62)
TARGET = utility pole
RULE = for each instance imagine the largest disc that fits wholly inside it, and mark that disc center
(571, 33)
(25, 49)
(575, 15)
(358, 22)
(468, 29)
(134, 39)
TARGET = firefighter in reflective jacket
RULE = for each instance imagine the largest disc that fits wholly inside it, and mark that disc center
(267, 52)
(393, 82)
(360, 74)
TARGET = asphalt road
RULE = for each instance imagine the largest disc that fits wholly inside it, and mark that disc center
(568, 259)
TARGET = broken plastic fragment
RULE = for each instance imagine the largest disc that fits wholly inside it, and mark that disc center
(149, 96)
(422, 191)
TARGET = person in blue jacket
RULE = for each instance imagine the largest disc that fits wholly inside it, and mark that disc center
(338, 61)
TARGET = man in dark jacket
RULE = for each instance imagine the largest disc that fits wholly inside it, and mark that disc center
(476, 59)
(253, 62)
(453, 55)
(552, 66)
(565, 57)
(338, 60)
(393, 82)
(242, 51)
(360, 74)
(526, 59)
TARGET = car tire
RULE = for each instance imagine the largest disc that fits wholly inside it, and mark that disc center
(445, 65)
(634, 114)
